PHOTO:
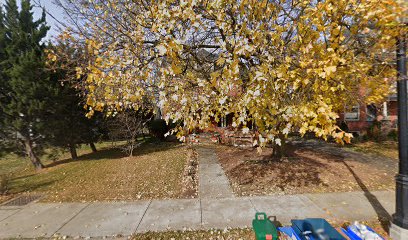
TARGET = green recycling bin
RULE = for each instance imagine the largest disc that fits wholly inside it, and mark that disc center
(264, 228)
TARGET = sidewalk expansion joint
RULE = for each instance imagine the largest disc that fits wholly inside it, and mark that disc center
(141, 219)
(18, 210)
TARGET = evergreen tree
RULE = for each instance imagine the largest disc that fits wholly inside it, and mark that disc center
(26, 91)
(2, 57)
(4, 144)
(70, 127)
(2, 36)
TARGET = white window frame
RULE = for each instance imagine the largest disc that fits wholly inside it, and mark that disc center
(353, 118)
(223, 121)
(367, 116)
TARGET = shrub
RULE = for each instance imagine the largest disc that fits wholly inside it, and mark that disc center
(158, 128)
(375, 132)
(393, 135)
(344, 126)
(364, 137)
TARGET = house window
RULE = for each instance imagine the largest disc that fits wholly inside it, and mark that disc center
(371, 113)
(353, 114)
(223, 122)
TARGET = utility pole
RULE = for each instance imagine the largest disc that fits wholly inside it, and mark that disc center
(399, 226)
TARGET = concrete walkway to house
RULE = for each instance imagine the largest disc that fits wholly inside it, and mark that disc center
(125, 218)
(211, 177)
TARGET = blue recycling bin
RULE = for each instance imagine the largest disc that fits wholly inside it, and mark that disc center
(349, 233)
(315, 229)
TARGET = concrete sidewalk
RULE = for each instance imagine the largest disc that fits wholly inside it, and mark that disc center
(213, 181)
(126, 218)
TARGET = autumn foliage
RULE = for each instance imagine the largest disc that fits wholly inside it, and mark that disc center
(287, 65)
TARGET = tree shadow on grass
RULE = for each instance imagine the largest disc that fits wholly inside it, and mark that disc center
(29, 186)
(115, 152)
(154, 147)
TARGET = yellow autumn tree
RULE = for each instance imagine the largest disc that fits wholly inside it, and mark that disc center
(287, 65)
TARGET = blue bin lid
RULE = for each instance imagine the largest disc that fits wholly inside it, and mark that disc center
(314, 227)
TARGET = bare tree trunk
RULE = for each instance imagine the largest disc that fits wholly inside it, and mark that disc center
(93, 147)
(33, 157)
(131, 151)
(277, 152)
(130, 146)
(73, 151)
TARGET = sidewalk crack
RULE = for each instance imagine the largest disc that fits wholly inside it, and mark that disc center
(253, 205)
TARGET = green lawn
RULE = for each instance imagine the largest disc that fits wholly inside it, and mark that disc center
(155, 171)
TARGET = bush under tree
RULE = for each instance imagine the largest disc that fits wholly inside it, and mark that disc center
(128, 126)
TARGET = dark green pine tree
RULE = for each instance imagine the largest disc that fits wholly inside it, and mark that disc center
(69, 125)
(2, 37)
(27, 92)
(3, 57)
(4, 143)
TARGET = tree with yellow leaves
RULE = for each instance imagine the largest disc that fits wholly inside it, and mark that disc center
(287, 65)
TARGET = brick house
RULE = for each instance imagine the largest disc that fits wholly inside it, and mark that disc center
(360, 118)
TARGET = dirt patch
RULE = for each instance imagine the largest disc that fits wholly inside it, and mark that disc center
(303, 171)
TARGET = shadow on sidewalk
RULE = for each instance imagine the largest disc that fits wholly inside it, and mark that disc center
(383, 216)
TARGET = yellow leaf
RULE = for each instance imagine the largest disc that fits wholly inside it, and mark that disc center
(329, 70)
(176, 68)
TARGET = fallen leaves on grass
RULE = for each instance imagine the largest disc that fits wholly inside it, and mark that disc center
(155, 171)
(387, 148)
